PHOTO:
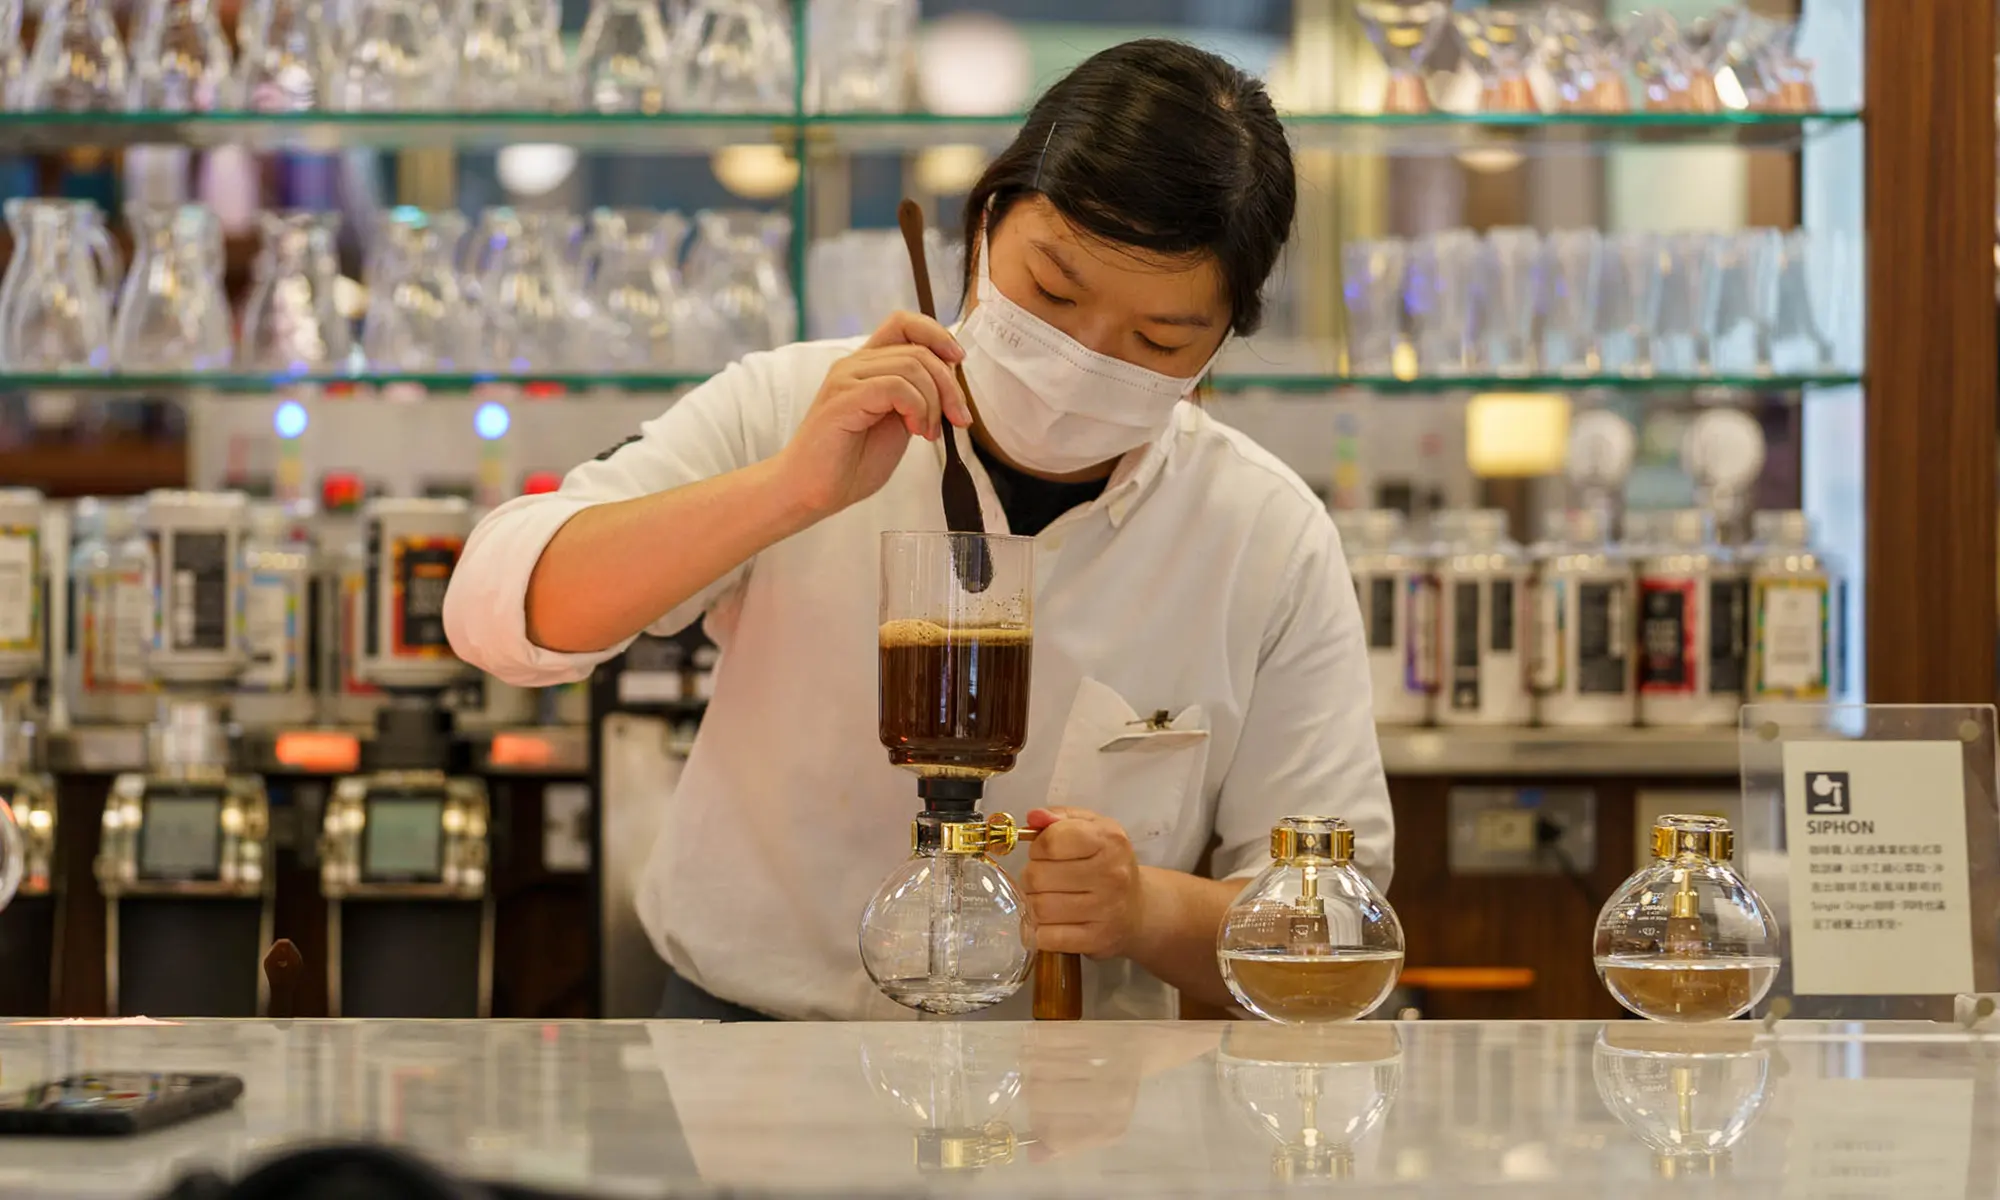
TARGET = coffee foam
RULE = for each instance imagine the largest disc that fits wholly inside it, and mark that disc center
(915, 631)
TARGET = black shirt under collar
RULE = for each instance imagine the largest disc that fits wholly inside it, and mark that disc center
(1033, 504)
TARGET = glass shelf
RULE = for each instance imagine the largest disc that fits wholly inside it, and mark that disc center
(666, 133)
(239, 382)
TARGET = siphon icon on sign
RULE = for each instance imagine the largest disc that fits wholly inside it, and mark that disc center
(1828, 792)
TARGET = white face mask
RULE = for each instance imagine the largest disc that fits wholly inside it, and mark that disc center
(1050, 403)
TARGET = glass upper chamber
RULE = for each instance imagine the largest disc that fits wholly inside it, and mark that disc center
(1311, 939)
(1687, 939)
(947, 932)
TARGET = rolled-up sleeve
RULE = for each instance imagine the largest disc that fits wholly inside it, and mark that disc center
(1308, 744)
(737, 418)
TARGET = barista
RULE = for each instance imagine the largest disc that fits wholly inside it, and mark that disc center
(1112, 249)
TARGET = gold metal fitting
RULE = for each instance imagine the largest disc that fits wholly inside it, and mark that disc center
(996, 834)
(1677, 834)
(1325, 839)
(993, 1145)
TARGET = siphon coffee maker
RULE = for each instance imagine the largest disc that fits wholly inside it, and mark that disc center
(948, 933)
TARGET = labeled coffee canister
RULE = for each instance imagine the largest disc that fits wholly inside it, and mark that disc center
(112, 590)
(277, 580)
(197, 542)
(1481, 585)
(1583, 665)
(412, 548)
(1389, 582)
(1694, 604)
(22, 650)
(1794, 613)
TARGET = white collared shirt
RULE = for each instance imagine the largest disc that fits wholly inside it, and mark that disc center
(1206, 581)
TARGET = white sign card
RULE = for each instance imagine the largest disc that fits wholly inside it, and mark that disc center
(1876, 841)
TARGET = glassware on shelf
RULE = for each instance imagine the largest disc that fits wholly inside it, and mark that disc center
(528, 299)
(1686, 939)
(285, 56)
(172, 312)
(418, 318)
(1504, 282)
(1679, 347)
(1404, 34)
(1500, 41)
(1310, 939)
(511, 57)
(55, 301)
(398, 58)
(1567, 302)
(181, 60)
(1662, 63)
(1437, 300)
(1584, 63)
(1627, 292)
(737, 284)
(860, 55)
(12, 62)
(629, 275)
(855, 276)
(624, 58)
(1788, 77)
(78, 63)
(733, 56)
(292, 322)
(1798, 343)
(1837, 286)
(1372, 274)
(1742, 299)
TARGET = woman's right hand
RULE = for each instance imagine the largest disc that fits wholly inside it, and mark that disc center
(896, 387)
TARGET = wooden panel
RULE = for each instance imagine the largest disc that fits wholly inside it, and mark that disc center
(1931, 352)
(79, 825)
(542, 947)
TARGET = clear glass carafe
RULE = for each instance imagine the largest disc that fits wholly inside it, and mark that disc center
(400, 58)
(860, 55)
(292, 322)
(1404, 34)
(511, 56)
(285, 56)
(181, 60)
(1686, 939)
(632, 283)
(624, 58)
(528, 296)
(1500, 41)
(1503, 301)
(1372, 273)
(1310, 939)
(55, 301)
(733, 56)
(78, 63)
(735, 275)
(418, 318)
(1740, 285)
(947, 933)
(1688, 1094)
(1317, 1090)
(172, 312)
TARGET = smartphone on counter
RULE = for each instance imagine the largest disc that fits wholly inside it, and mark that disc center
(114, 1103)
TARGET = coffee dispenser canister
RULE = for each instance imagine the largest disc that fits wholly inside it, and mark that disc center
(1482, 580)
(1584, 668)
(1391, 588)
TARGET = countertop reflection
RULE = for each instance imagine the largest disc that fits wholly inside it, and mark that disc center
(1098, 1108)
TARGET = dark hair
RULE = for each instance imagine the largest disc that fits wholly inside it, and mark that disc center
(1162, 146)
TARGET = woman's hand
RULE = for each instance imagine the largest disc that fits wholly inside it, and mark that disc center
(896, 387)
(1083, 884)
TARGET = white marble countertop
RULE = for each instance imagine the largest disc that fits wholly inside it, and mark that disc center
(1093, 1109)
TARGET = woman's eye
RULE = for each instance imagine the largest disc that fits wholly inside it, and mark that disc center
(1051, 297)
(1156, 348)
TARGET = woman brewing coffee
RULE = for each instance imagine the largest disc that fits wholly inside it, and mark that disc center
(1199, 669)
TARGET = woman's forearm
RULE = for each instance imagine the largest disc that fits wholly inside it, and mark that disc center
(1176, 942)
(616, 568)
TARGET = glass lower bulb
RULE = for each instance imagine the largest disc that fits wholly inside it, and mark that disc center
(947, 933)
(1688, 1094)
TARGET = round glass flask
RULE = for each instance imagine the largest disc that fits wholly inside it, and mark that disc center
(947, 933)
(1687, 939)
(1688, 1095)
(1310, 939)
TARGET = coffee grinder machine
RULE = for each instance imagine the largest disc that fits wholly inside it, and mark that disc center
(184, 862)
(947, 933)
(403, 850)
(29, 548)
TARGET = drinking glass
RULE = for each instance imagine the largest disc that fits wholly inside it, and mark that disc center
(180, 60)
(285, 58)
(511, 56)
(1436, 299)
(733, 271)
(78, 64)
(1503, 301)
(1404, 34)
(55, 303)
(860, 55)
(1372, 275)
(624, 57)
(734, 56)
(1799, 345)
(1834, 275)
(1628, 302)
(1662, 62)
(1585, 68)
(1788, 77)
(291, 322)
(11, 62)
(400, 58)
(527, 293)
(172, 313)
(1678, 343)
(1742, 296)
(1567, 303)
(1499, 41)
(631, 281)
(418, 318)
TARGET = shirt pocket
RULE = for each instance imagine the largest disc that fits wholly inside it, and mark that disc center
(1144, 775)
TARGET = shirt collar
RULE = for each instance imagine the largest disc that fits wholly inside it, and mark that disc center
(1131, 479)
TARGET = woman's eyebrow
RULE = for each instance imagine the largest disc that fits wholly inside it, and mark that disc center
(1061, 264)
(1190, 320)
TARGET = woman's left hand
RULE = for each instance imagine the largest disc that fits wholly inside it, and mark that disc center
(1083, 884)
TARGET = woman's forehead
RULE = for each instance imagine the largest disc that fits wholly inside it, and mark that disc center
(1037, 228)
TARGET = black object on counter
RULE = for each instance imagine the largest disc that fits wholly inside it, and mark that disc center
(114, 1103)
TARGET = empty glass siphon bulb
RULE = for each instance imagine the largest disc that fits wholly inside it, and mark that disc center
(1310, 939)
(1687, 939)
(955, 1081)
(1688, 1094)
(1315, 1090)
(947, 933)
